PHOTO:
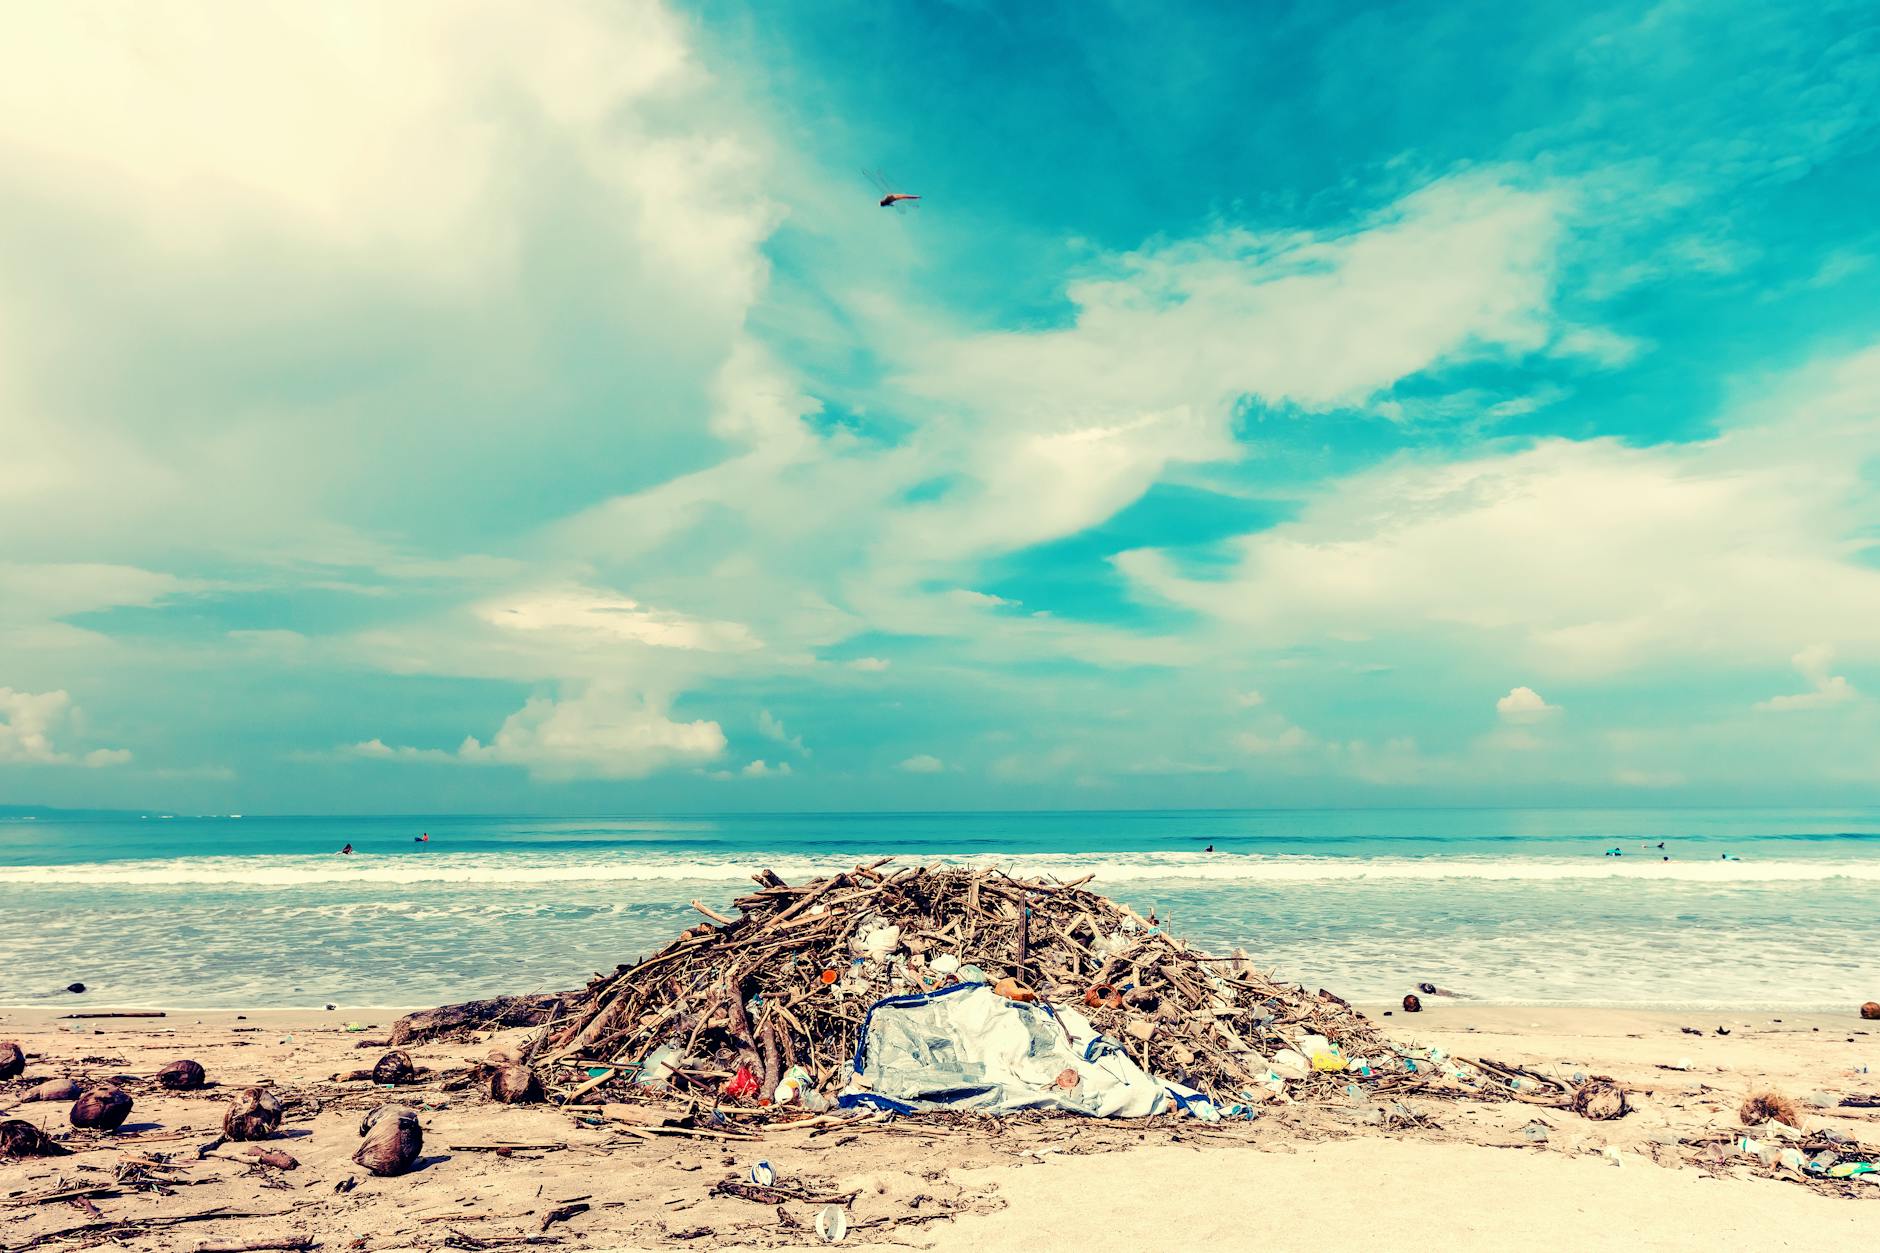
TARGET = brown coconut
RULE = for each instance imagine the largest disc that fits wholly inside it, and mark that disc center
(103, 1108)
(53, 1090)
(515, 1085)
(253, 1114)
(1769, 1105)
(1600, 1099)
(395, 1067)
(1411, 1005)
(393, 1140)
(12, 1060)
(22, 1139)
(1870, 1011)
(181, 1076)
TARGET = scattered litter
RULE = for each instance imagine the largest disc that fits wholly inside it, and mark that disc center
(832, 1224)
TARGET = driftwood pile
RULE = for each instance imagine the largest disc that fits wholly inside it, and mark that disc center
(787, 982)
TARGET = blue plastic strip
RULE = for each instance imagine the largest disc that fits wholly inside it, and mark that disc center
(871, 1100)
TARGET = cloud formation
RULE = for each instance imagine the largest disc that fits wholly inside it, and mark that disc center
(31, 723)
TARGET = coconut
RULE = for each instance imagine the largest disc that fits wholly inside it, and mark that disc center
(253, 1114)
(181, 1076)
(1870, 1011)
(1600, 1099)
(1769, 1105)
(394, 1067)
(12, 1060)
(515, 1085)
(393, 1140)
(1412, 1005)
(22, 1139)
(103, 1108)
(53, 1090)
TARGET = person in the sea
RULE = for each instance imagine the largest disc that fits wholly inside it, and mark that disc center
(346, 850)
(1208, 849)
(421, 839)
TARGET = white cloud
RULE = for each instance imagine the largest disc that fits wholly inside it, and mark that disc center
(982, 600)
(761, 769)
(1249, 699)
(604, 733)
(1524, 704)
(1650, 779)
(772, 728)
(873, 665)
(923, 763)
(1597, 344)
(1289, 739)
(606, 617)
(1825, 689)
(31, 723)
(1583, 557)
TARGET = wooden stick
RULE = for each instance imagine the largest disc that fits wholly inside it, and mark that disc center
(712, 914)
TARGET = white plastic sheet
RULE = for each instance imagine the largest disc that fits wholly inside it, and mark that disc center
(967, 1048)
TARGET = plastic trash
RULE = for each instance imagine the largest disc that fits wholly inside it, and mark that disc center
(1792, 1158)
(1822, 1100)
(1820, 1162)
(763, 1174)
(832, 1224)
(1535, 1132)
(1683, 1063)
(1612, 1155)
(1322, 1054)
(797, 1088)
(744, 1083)
(875, 940)
(945, 964)
(1291, 1065)
(656, 1070)
(1847, 1170)
(972, 974)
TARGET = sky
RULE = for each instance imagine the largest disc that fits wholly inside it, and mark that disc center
(492, 407)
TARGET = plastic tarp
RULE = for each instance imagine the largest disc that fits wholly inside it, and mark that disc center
(967, 1048)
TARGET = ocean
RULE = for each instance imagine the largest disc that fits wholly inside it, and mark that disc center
(1741, 909)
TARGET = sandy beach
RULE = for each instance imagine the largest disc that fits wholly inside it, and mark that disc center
(494, 1176)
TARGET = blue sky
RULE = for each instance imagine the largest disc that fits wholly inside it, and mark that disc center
(485, 407)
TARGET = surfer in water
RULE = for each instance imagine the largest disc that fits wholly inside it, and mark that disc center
(346, 852)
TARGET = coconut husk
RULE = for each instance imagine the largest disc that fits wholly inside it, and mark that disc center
(1600, 1099)
(53, 1090)
(394, 1068)
(12, 1060)
(1412, 1004)
(22, 1139)
(253, 1114)
(515, 1084)
(1870, 1011)
(1769, 1105)
(103, 1108)
(393, 1140)
(181, 1076)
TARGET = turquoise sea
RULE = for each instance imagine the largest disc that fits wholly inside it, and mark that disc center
(1776, 909)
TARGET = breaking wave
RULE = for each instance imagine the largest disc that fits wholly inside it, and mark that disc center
(522, 869)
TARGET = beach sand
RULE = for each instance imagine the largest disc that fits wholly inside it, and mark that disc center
(1295, 1177)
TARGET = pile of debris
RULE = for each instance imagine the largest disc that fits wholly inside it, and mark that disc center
(767, 1007)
